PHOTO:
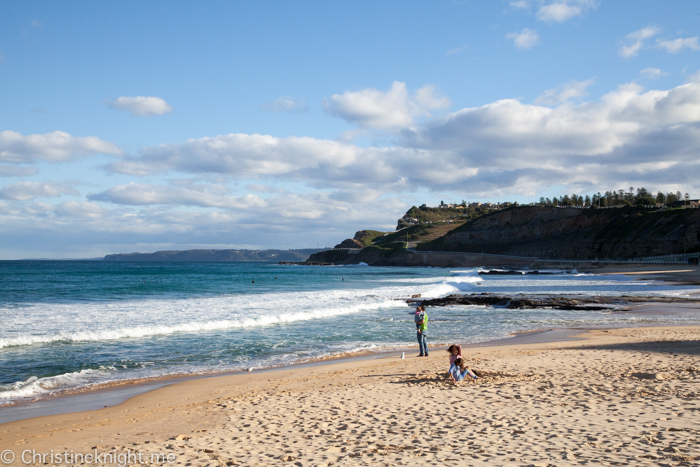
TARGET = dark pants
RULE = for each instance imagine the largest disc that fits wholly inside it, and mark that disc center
(422, 342)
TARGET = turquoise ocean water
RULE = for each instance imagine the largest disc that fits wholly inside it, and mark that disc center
(68, 325)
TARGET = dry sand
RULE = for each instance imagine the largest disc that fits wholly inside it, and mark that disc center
(623, 396)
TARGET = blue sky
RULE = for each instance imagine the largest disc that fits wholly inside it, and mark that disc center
(140, 126)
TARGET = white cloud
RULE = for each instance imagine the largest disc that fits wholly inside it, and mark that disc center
(142, 106)
(456, 50)
(77, 210)
(510, 143)
(652, 73)
(563, 10)
(262, 188)
(286, 104)
(676, 45)
(426, 98)
(395, 108)
(527, 38)
(241, 155)
(520, 4)
(204, 196)
(289, 220)
(498, 146)
(22, 191)
(695, 77)
(635, 40)
(630, 137)
(36, 24)
(571, 90)
(17, 171)
(57, 146)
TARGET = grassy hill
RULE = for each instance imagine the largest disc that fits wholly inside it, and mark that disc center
(535, 231)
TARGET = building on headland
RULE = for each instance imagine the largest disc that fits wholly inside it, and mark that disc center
(687, 203)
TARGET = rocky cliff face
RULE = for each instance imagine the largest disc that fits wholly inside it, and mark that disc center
(545, 232)
(578, 233)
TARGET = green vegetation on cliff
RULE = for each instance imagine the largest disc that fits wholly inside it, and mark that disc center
(419, 233)
(536, 231)
(543, 231)
(454, 213)
(367, 237)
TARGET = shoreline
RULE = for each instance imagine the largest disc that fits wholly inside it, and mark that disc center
(625, 395)
(108, 395)
(111, 394)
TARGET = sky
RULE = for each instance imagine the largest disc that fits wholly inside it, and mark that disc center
(143, 126)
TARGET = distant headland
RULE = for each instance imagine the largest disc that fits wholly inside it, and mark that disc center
(217, 255)
(615, 227)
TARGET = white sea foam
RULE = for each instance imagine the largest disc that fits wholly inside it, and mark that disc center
(138, 319)
(459, 281)
(34, 386)
(244, 318)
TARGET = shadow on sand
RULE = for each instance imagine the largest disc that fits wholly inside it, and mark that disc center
(688, 347)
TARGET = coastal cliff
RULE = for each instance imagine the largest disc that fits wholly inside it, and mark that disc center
(542, 232)
(577, 233)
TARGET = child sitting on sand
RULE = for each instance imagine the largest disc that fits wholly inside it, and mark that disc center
(459, 370)
(455, 351)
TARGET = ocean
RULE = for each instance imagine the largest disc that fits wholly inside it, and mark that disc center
(72, 325)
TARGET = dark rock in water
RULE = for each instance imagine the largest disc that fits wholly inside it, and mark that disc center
(546, 301)
(500, 273)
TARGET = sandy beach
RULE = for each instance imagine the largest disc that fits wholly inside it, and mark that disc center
(618, 396)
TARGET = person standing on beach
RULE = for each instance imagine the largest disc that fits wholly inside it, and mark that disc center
(422, 332)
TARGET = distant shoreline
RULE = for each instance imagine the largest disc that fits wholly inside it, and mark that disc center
(212, 255)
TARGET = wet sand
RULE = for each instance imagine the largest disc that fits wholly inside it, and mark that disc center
(627, 396)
